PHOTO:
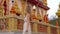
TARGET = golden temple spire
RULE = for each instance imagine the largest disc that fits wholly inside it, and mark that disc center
(59, 5)
(45, 2)
(58, 12)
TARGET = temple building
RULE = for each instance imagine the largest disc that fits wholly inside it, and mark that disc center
(12, 13)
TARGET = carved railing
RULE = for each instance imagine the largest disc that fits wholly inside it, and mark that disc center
(15, 23)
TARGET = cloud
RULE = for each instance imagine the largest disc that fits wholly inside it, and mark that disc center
(53, 4)
(52, 17)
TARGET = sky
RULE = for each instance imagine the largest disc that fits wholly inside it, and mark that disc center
(53, 5)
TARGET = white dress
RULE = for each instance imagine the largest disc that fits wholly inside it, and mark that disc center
(25, 25)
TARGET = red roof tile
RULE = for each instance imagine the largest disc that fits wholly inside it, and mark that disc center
(39, 4)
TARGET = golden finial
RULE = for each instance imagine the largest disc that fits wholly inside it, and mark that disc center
(59, 4)
(58, 12)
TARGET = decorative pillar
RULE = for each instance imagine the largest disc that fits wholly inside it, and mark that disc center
(12, 24)
(17, 7)
(48, 29)
(57, 30)
(35, 27)
(34, 17)
(15, 24)
(45, 2)
(23, 9)
(1, 12)
(7, 2)
(41, 14)
(58, 14)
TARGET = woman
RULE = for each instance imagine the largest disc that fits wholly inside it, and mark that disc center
(26, 28)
